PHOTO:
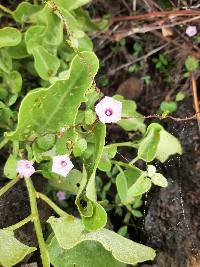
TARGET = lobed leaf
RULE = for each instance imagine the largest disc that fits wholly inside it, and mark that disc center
(9, 37)
(47, 110)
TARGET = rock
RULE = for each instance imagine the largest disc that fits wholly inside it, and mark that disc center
(130, 88)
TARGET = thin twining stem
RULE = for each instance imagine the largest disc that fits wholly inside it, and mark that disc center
(6, 187)
(58, 210)
(19, 224)
(162, 117)
(36, 221)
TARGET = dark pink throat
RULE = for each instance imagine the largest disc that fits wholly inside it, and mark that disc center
(108, 112)
(63, 163)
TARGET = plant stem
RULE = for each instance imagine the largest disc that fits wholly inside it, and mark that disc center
(129, 144)
(3, 143)
(9, 185)
(120, 163)
(5, 9)
(58, 210)
(19, 224)
(133, 160)
(37, 224)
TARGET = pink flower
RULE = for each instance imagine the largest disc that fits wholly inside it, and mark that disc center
(191, 31)
(61, 195)
(62, 165)
(25, 168)
(109, 110)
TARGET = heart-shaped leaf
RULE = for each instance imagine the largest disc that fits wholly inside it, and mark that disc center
(70, 232)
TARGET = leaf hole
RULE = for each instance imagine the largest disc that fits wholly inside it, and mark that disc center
(83, 203)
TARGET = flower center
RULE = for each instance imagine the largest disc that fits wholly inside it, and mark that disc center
(108, 112)
(27, 165)
(63, 163)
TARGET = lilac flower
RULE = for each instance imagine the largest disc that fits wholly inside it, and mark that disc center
(109, 110)
(191, 31)
(25, 168)
(62, 165)
(61, 195)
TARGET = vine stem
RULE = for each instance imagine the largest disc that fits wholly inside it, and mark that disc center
(4, 189)
(128, 144)
(36, 221)
(58, 210)
(134, 160)
(5, 9)
(19, 224)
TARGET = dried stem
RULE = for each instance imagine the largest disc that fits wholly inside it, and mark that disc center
(195, 98)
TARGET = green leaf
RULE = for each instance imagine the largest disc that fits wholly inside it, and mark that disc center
(180, 96)
(46, 142)
(129, 109)
(90, 117)
(151, 170)
(104, 164)
(14, 81)
(34, 36)
(64, 143)
(98, 219)
(54, 28)
(19, 51)
(122, 187)
(83, 204)
(141, 186)
(71, 4)
(47, 110)
(168, 145)
(168, 106)
(148, 147)
(159, 179)
(70, 232)
(99, 216)
(137, 213)
(10, 167)
(12, 251)
(5, 60)
(80, 255)
(191, 63)
(46, 64)
(69, 184)
(9, 37)
(24, 11)
(123, 230)
(79, 147)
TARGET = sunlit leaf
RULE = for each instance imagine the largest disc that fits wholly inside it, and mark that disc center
(9, 37)
(12, 251)
(70, 4)
(122, 187)
(80, 255)
(10, 167)
(168, 145)
(159, 179)
(148, 146)
(24, 11)
(46, 64)
(47, 110)
(70, 232)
